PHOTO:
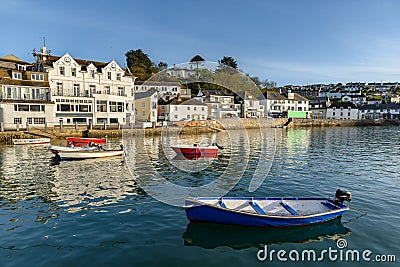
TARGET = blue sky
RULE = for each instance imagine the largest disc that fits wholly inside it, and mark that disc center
(287, 41)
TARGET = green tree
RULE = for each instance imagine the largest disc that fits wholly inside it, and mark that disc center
(228, 61)
(197, 58)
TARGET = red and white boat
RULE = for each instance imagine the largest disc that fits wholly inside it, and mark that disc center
(80, 141)
(196, 150)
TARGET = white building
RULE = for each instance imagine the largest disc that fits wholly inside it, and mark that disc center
(220, 105)
(381, 111)
(277, 104)
(191, 109)
(86, 91)
(181, 72)
(250, 105)
(357, 100)
(166, 90)
(24, 96)
(342, 111)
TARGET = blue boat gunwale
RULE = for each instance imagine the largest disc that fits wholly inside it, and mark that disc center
(340, 207)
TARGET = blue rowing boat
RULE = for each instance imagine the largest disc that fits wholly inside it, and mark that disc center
(266, 212)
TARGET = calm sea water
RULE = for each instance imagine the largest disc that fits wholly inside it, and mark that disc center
(93, 212)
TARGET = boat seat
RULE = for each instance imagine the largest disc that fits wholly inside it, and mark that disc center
(257, 208)
(329, 205)
(289, 209)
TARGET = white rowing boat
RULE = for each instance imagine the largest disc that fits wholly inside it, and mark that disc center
(31, 141)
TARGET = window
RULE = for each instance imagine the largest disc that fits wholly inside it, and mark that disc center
(73, 72)
(17, 120)
(107, 90)
(176, 108)
(143, 104)
(62, 71)
(64, 107)
(34, 108)
(101, 120)
(118, 76)
(29, 120)
(202, 108)
(92, 89)
(59, 89)
(194, 108)
(84, 108)
(37, 77)
(101, 105)
(113, 120)
(109, 75)
(17, 76)
(39, 120)
(23, 107)
(116, 106)
(77, 90)
(79, 120)
(188, 108)
(92, 72)
(121, 91)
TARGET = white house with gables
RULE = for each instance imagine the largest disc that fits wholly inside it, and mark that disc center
(86, 91)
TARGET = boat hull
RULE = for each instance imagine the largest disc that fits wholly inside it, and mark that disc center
(57, 149)
(79, 141)
(196, 151)
(89, 154)
(31, 141)
(196, 211)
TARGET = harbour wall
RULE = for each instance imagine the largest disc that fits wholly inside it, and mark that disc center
(208, 126)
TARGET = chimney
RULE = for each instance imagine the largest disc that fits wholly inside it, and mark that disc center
(179, 97)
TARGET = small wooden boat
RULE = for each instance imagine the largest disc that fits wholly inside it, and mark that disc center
(196, 150)
(81, 141)
(31, 141)
(57, 149)
(266, 212)
(88, 154)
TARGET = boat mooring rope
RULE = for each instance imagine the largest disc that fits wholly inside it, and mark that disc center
(363, 213)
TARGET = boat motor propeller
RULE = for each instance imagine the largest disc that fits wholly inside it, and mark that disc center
(342, 195)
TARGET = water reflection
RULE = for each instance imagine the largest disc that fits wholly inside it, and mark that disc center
(210, 236)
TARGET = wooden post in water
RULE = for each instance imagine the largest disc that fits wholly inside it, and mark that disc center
(2, 126)
(27, 126)
(105, 126)
(119, 126)
(45, 126)
(76, 126)
(61, 126)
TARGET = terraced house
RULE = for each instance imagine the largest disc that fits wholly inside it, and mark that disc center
(25, 99)
(88, 92)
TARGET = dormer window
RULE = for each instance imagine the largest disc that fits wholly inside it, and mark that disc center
(17, 75)
(37, 77)
(92, 72)
(21, 67)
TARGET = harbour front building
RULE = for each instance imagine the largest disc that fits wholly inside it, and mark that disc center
(87, 92)
(24, 96)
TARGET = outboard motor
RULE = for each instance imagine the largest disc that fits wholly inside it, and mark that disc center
(342, 196)
(219, 147)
